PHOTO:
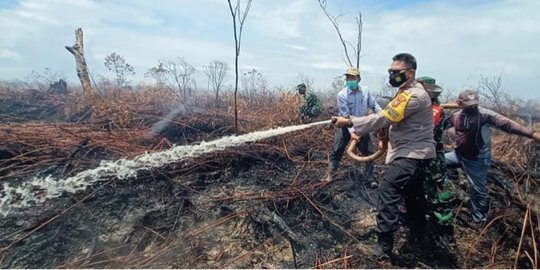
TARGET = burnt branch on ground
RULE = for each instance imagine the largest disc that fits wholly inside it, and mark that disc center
(259, 205)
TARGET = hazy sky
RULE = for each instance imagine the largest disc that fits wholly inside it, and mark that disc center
(454, 41)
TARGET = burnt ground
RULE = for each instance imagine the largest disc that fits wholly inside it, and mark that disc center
(260, 205)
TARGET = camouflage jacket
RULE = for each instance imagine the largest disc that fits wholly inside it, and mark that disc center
(312, 106)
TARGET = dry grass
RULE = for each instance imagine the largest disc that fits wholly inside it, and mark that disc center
(512, 149)
(118, 123)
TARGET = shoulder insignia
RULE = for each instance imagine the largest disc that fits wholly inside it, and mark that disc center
(395, 110)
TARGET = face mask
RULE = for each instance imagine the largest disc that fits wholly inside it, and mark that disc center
(473, 110)
(396, 80)
(353, 84)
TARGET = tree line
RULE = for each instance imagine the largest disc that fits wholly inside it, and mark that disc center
(178, 75)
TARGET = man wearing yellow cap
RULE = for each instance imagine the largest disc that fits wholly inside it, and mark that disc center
(353, 100)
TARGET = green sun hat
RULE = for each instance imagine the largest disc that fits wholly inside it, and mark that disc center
(431, 87)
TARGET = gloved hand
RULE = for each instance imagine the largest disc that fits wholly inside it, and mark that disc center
(340, 121)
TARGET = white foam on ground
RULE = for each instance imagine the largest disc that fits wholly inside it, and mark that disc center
(40, 189)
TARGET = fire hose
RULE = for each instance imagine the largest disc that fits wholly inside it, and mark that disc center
(382, 136)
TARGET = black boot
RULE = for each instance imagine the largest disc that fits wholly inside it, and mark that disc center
(386, 243)
(417, 236)
(445, 235)
(418, 241)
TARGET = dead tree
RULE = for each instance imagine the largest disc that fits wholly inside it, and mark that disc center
(492, 90)
(180, 72)
(356, 50)
(237, 39)
(216, 71)
(82, 69)
(448, 95)
(117, 64)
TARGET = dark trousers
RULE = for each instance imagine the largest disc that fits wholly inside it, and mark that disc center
(404, 177)
(365, 147)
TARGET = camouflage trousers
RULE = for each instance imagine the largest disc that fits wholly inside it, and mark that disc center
(440, 199)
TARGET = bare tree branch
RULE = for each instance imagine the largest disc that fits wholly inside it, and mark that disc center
(216, 71)
(448, 95)
(181, 72)
(237, 40)
(346, 45)
(333, 20)
(360, 25)
(491, 89)
(117, 64)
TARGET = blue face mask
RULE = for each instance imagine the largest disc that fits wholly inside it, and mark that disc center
(352, 84)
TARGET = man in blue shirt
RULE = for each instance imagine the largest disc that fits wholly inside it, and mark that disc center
(353, 100)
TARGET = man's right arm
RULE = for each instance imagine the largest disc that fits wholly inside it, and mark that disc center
(370, 123)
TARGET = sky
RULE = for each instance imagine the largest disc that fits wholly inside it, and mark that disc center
(455, 41)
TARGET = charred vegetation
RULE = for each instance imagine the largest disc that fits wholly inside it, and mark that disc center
(258, 205)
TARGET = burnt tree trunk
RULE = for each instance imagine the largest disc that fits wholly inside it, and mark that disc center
(82, 68)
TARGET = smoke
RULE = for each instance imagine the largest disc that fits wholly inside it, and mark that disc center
(158, 127)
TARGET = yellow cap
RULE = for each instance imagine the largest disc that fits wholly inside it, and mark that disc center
(353, 71)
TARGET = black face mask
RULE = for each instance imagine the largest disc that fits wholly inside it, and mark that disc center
(396, 80)
(469, 111)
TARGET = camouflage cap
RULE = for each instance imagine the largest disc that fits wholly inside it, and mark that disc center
(353, 72)
(468, 98)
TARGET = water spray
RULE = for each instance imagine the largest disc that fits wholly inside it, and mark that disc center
(40, 189)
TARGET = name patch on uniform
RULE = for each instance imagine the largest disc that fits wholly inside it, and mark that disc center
(395, 110)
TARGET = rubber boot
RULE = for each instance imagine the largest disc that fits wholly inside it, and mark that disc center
(445, 235)
(385, 242)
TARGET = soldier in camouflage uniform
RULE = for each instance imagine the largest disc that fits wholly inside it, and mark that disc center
(312, 106)
(439, 198)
